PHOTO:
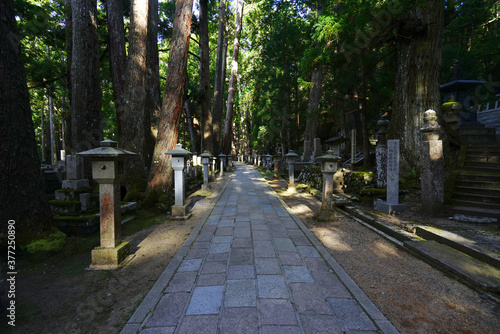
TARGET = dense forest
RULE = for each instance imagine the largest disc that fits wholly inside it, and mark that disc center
(236, 77)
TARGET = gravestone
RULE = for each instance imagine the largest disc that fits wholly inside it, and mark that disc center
(353, 147)
(381, 152)
(306, 156)
(318, 151)
(74, 167)
(431, 159)
(391, 204)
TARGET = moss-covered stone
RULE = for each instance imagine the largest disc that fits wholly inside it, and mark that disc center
(53, 241)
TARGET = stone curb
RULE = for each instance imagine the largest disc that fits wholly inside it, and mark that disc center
(149, 302)
(373, 312)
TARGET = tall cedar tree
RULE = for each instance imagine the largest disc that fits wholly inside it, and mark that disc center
(419, 46)
(86, 101)
(206, 114)
(228, 125)
(161, 177)
(132, 137)
(22, 197)
(117, 55)
(220, 77)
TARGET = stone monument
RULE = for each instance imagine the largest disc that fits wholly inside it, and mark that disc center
(392, 200)
(381, 152)
(179, 157)
(291, 158)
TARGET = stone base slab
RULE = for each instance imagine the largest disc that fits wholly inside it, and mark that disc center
(109, 258)
(389, 208)
(180, 212)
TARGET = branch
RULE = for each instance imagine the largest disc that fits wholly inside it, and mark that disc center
(46, 82)
(191, 37)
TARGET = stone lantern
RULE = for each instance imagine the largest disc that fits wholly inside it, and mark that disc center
(214, 162)
(268, 161)
(291, 158)
(229, 163)
(328, 168)
(179, 159)
(107, 170)
(276, 167)
(222, 156)
(205, 160)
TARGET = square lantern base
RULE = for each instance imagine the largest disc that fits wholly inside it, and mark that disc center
(109, 258)
(205, 187)
(180, 212)
(389, 208)
(291, 189)
(326, 215)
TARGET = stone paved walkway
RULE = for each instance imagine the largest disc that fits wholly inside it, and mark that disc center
(250, 266)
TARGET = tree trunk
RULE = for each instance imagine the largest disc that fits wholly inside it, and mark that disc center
(364, 121)
(218, 103)
(153, 93)
(117, 56)
(206, 115)
(161, 177)
(22, 196)
(86, 121)
(417, 78)
(228, 125)
(313, 106)
(132, 120)
(189, 107)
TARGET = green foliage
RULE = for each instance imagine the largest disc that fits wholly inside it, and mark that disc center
(355, 181)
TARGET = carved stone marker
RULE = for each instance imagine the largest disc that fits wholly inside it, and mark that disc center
(431, 159)
(381, 152)
(391, 204)
(291, 158)
(205, 160)
(179, 157)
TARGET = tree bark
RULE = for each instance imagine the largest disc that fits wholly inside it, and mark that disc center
(117, 56)
(417, 78)
(161, 177)
(189, 107)
(153, 93)
(206, 115)
(86, 121)
(132, 119)
(220, 64)
(228, 125)
(22, 196)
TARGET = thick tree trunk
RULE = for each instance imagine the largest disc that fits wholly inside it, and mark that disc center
(153, 93)
(228, 125)
(220, 65)
(86, 121)
(206, 115)
(417, 78)
(22, 196)
(117, 56)
(313, 106)
(189, 108)
(132, 119)
(161, 177)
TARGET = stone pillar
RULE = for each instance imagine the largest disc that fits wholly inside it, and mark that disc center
(328, 168)
(179, 157)
(291, 158)
(276, 167)
(381, 152)
(205, 160)
(107, 170)
(318, 151)
(221, 158)
(353, 147)
(306, 156)
(213, 167)
(432, 162)
(391, 204)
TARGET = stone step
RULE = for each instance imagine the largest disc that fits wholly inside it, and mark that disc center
(473, 158)
(465, 267)
(473, 211)
(479, 138)
(472, 203)
(482, 167)
(472, 191)
(479, 184)
(459, 243)
(478, 177)
(484, 148)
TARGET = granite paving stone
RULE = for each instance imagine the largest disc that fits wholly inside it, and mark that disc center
(308, 251)
(330, 285)
(261, 235)
(308, 299)
(297, 274)
(241, 272)
(240, 320)
(197, 253)
(169, 310)
(214, 267)
(350, 315)
(190, 265)
(206, 300)
(242, 243)
(224, 231)
(272, 286)
(181, 282)
(199, 324)
(159, 330)
(313, 324)
(284, 245)
(241, 256)
(290, 259)
(267, 266)
(315, 264)
(277, 312)
(264, 249)
(222, 247)
(240, 293)
(211, 279)
(281, 330)
(242, 232)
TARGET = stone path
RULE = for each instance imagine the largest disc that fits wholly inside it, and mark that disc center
(250, 266)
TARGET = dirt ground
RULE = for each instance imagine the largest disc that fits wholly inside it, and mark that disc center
(415, 297)
(57, 295)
